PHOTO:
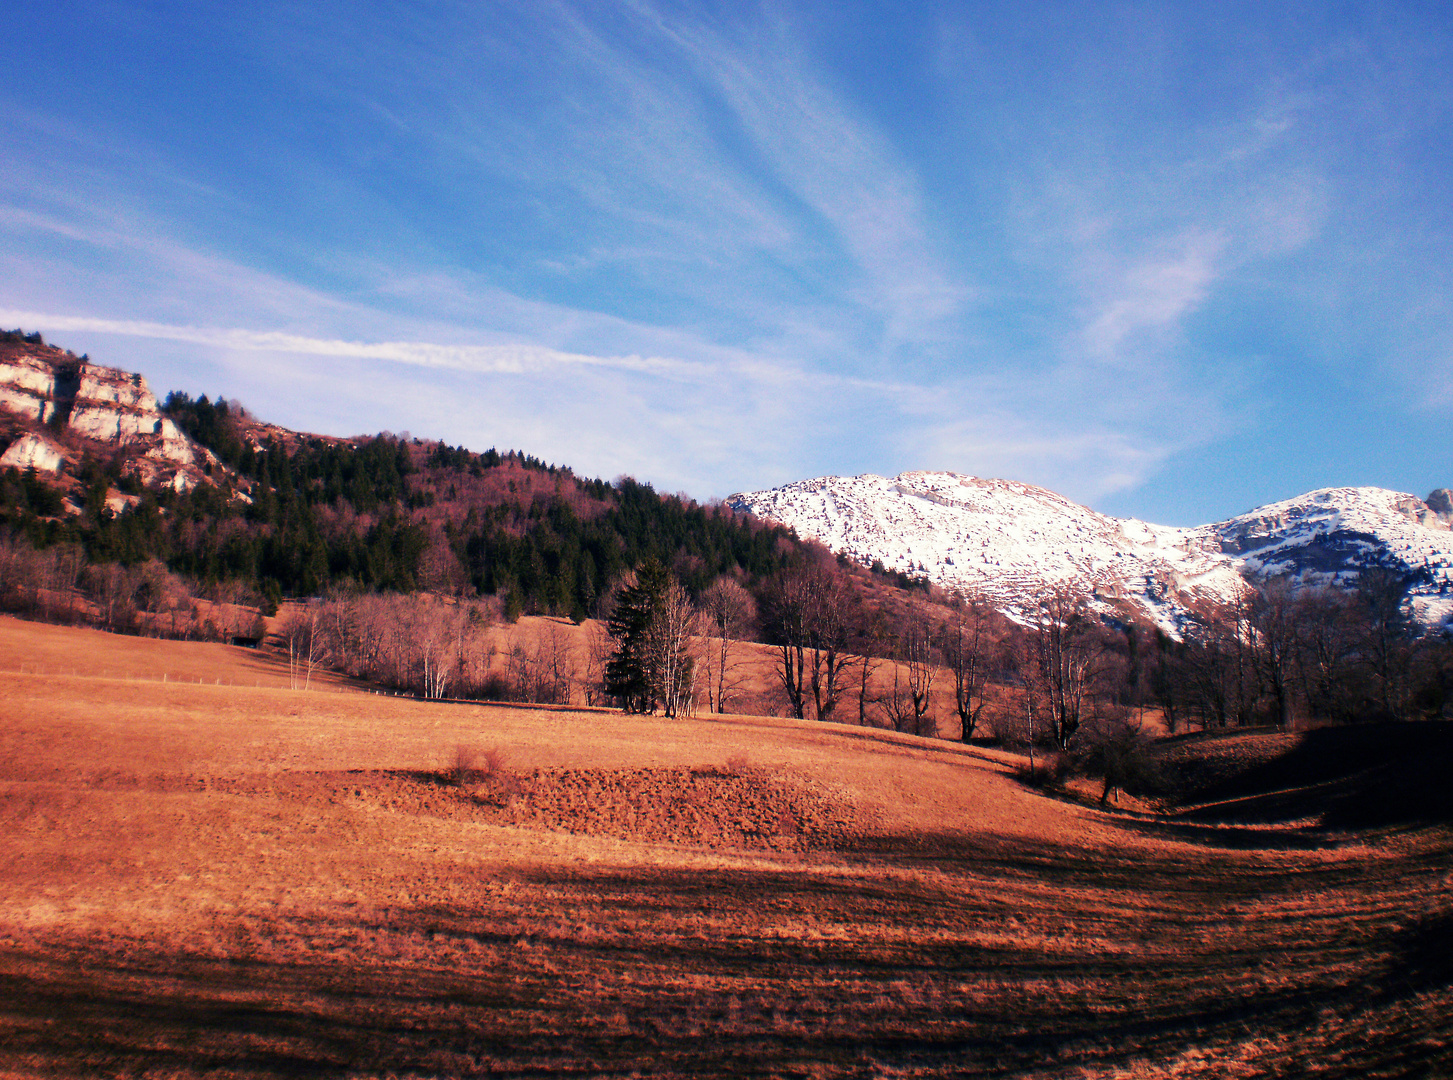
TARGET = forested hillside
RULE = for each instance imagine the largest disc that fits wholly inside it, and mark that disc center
(435, 542)
(389, 514)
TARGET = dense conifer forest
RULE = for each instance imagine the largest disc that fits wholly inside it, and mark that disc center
(306, 515)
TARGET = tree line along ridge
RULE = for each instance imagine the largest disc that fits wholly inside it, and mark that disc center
(293, 515)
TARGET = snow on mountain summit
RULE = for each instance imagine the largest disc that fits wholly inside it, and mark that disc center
(1328, 536)
(1010, 541)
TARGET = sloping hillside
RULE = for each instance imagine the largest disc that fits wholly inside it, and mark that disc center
(91, 460)
(1360, 776)
(239, 881)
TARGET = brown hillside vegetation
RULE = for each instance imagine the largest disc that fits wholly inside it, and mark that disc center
(242, 880)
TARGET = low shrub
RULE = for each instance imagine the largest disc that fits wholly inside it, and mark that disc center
(1115, 751)
(470, 765)
(463, 766)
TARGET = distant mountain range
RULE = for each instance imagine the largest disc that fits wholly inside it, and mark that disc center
(1010, 542)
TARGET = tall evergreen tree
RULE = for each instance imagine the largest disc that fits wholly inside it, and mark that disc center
(633, 674)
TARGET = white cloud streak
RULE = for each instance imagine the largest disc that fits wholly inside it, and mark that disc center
(710, 260)
(478, 359)
(1154, 294)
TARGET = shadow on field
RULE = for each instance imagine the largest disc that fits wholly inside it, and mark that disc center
(1359, 776)
(933, 954)
(1422, 957)
(1230, 837)
(678, 973)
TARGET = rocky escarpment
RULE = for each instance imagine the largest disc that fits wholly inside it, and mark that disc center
(1007, 542)
(1330, 536)
(60, 405)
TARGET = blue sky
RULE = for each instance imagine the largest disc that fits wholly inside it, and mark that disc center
(1172, 260)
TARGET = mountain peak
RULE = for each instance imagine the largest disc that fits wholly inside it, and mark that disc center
(1009, 542)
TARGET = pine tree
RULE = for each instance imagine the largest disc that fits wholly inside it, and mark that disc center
(632, 675)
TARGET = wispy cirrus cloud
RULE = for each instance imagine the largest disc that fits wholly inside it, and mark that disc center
(842, 168)
(727, 246)
(1091, 461)
(1140, 253)
(714, 162)
(1153, 294)
(517, 359)
(657, 400)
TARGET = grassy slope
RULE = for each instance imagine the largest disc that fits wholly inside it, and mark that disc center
(246, 880)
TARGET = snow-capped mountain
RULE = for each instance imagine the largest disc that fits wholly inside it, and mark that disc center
(1010, 542)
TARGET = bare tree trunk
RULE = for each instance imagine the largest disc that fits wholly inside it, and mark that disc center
(789, 672)
(965, 652)
(866, 666)
(1066, 655)
(599, 647)
(827, 668)
(727, 609)
(674, 627)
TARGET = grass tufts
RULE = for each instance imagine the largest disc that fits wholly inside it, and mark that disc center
(470, 765)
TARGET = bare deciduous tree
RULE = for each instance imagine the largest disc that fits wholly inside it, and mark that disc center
(1064, 657)
(966, 649)
(808, 618)
(520, 674)
(1385, 643)
(552, 666)
(304, 644)
(112, 588)
(728, 611)
(787, 616)
(672, 630)
(440, 570)
(873, 633)
(62, 570)
(1326, 648)
(915, 666)
(437, 631)
(599, 647)
(827, 656)
(1273, 624)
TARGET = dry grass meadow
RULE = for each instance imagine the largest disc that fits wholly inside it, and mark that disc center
(217, 876)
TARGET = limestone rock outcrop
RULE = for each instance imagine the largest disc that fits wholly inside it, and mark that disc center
(48, 389)
(32, 451)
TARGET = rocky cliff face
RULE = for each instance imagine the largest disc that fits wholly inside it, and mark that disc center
(32, 451)
(62, 401)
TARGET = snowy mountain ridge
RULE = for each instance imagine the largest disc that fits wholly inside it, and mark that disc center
(1010, 542)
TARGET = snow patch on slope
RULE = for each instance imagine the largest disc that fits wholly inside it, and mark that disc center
(1011, 542)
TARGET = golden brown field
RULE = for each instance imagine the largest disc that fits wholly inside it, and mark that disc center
(229, 878)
